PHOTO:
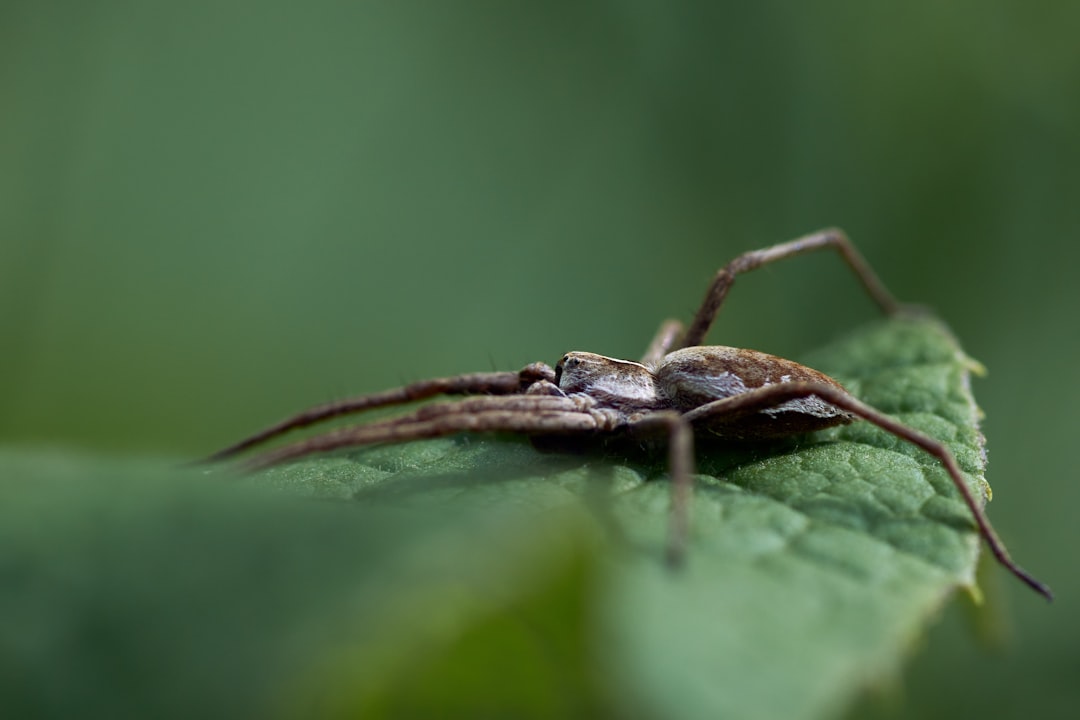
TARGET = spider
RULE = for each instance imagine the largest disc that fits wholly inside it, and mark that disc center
(677, 389)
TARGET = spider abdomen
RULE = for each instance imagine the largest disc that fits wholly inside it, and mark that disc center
(695, 376)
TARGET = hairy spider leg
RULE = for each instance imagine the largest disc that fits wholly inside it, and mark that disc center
(490, 383)
(774, 395)
(725, 277)
(680, 438)
(532, 414)
(666, 335)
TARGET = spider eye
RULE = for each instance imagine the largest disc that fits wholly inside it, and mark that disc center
(559, 368)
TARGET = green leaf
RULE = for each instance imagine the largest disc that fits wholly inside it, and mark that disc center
(129, 589)
(478, 577)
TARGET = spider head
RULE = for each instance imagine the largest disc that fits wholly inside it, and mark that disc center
(614, 383)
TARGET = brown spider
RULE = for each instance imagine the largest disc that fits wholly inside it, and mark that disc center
(678, 388)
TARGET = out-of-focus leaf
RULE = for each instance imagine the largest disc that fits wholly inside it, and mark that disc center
(131, 590)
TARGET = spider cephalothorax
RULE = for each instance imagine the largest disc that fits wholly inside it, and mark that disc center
(678, 389)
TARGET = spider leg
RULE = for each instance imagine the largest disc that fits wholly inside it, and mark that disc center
(492, 383)
(666, 336)
(773, 395)
(725, 277)
(681, 467)
(533, 415)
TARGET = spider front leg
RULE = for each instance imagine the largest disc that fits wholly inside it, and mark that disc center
(491, 383)
(725, 277)
(524, 414)
(772, 396)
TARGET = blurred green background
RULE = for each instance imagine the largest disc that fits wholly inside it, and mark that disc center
(214, 213)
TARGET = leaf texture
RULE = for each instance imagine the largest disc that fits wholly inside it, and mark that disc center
(478, 577)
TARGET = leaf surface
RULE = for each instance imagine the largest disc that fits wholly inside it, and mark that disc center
(476, 576)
